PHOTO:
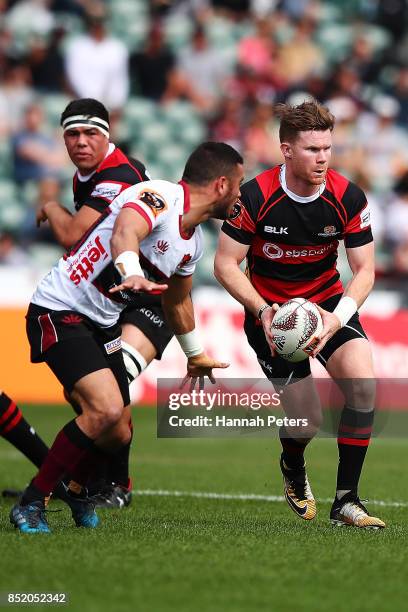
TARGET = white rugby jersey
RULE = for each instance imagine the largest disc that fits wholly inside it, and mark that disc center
(82, 278)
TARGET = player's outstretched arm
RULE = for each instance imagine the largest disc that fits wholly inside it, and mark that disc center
(129, 230)
(179, 311)
(68, 229)
(228, 258)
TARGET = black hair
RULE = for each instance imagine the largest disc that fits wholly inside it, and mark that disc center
(85, 106)
(209, 161)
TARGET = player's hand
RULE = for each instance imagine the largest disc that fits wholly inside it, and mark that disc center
(41, 214)
(331, 324)
(266, 320)
(200, 366)
(137, 284)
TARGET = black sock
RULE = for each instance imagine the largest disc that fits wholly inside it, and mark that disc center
(15, 429)
(118, 466)
(292, 450)
(353, 439)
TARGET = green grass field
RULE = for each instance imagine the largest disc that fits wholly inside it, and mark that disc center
(186, 553)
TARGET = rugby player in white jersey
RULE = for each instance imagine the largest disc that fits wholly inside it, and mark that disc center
(149, 240)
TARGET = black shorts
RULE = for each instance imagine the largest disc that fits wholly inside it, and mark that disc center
(149, 318)
(278, 368)
(72, 346)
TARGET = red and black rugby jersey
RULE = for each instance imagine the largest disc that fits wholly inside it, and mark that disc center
(116, 173)
(293, 245)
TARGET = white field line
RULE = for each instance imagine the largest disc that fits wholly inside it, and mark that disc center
(248, 497)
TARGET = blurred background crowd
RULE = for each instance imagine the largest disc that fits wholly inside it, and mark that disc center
(176, 72)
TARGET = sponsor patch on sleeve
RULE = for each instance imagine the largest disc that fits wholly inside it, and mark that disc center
(365, 218)
(113, 346)
(235, 217)
(154, 201)
(107, 191)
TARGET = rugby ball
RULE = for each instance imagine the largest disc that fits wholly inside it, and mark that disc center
(295, 328)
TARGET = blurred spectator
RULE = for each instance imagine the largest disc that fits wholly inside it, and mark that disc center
(96, 64)
(300, 57)
(150, 68)
(347, 149)
(234, 8)
(30, 17)
(392, 15)
(227, 125)
(401, 94)
(37, 156)
(385, 143)
(397, 225)
(46, 63)
(258, 55)
(261, 140)
(199, 73)
(15, 94)
(10, 253)
(362, 59)
(345, 82)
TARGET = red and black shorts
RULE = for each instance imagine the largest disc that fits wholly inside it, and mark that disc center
(72, 345)
(277, 368)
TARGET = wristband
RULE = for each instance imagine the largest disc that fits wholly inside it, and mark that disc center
(127, 264)
(190, 343)
(345, 309)
(260, 311)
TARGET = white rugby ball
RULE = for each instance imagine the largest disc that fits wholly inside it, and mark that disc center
(295, 327)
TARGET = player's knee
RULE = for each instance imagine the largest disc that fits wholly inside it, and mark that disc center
(106, 414)
(361, 393)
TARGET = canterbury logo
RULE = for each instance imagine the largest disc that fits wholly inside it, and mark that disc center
(162, 246)
(72, 320)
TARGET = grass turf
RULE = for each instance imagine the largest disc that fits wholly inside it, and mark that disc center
(182, 553)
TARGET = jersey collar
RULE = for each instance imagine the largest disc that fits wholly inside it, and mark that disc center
(82, 178)
(186, 208)
(294, 196)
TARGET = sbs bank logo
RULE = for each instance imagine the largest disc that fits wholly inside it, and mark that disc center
(272, 251)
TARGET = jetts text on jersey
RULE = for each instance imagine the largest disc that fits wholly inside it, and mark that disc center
(83, 265)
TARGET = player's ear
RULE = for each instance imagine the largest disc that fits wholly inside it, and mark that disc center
(221, 185)
(286, 150)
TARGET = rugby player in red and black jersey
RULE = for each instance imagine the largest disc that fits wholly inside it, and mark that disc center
(103, 172)
(287, 225)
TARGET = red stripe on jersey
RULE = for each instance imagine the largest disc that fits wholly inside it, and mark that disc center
(279, 291)
(141, 212)
(353, 441)
(13, 422)
(291, 253)
(186, 190)
(337, 184)
(268, 181)
(48, 332)
(343, 218)
(8, 412)
(264, 211)
(247, 223)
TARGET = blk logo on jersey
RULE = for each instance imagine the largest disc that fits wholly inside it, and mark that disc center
(271, 229)
(83, 265)
(365, 218)
(161, 247)
(154, 201)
